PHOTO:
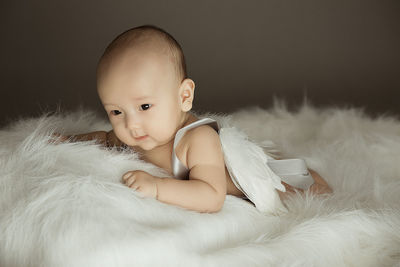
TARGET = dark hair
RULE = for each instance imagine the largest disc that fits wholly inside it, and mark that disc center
(129, 37)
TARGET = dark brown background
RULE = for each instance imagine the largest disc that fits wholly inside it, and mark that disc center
(239, 53)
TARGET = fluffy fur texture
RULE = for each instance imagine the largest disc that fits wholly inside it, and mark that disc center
(64, 205)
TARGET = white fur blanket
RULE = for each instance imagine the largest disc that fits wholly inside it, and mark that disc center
(64, 205)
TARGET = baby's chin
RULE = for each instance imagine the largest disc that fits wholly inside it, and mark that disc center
(148, 144)
(145, 146)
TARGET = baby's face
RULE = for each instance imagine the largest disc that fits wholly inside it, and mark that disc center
(142, 97)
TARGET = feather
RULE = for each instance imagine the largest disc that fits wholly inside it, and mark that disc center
(247, 165)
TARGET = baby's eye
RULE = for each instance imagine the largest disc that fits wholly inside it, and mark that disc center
(145, 106)
(115, 112)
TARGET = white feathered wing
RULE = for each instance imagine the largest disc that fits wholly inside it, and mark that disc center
(247, 165)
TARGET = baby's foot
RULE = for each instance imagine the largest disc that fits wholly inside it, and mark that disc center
(320, 189)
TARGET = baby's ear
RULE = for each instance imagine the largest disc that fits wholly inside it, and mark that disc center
(186, 94)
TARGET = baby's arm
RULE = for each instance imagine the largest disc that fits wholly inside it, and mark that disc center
(205, 190)
(101, 137)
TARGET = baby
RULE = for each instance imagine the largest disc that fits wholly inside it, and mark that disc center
(143, 86)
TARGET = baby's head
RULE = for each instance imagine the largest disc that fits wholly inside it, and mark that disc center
(143, 86)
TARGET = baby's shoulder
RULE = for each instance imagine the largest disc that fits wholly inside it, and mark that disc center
(202, 133)
(202, 138)
(195, 142)
(203, 147)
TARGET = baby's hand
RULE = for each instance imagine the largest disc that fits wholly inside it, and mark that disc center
(142, 182)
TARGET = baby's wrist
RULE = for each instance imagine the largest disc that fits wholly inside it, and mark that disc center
(159, 185)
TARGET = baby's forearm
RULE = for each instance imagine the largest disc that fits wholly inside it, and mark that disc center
(190, 194)
(99, 136)
(108, 139)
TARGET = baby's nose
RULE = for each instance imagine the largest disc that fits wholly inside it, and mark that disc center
(132, 123)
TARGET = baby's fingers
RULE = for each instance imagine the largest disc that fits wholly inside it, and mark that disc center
(130, 181)
(127, 175)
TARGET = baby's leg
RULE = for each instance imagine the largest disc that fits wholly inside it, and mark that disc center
(320, 186)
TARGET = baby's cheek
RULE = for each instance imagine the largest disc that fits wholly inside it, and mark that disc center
(121, 134)
(163, 131)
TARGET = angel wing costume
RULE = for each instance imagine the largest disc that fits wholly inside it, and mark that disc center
(253, 172)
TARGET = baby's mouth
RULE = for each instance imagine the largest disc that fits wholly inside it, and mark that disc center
(139, 138)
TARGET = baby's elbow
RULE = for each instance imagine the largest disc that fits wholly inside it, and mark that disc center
(218, 208)
(217, 205)
(212, 209)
